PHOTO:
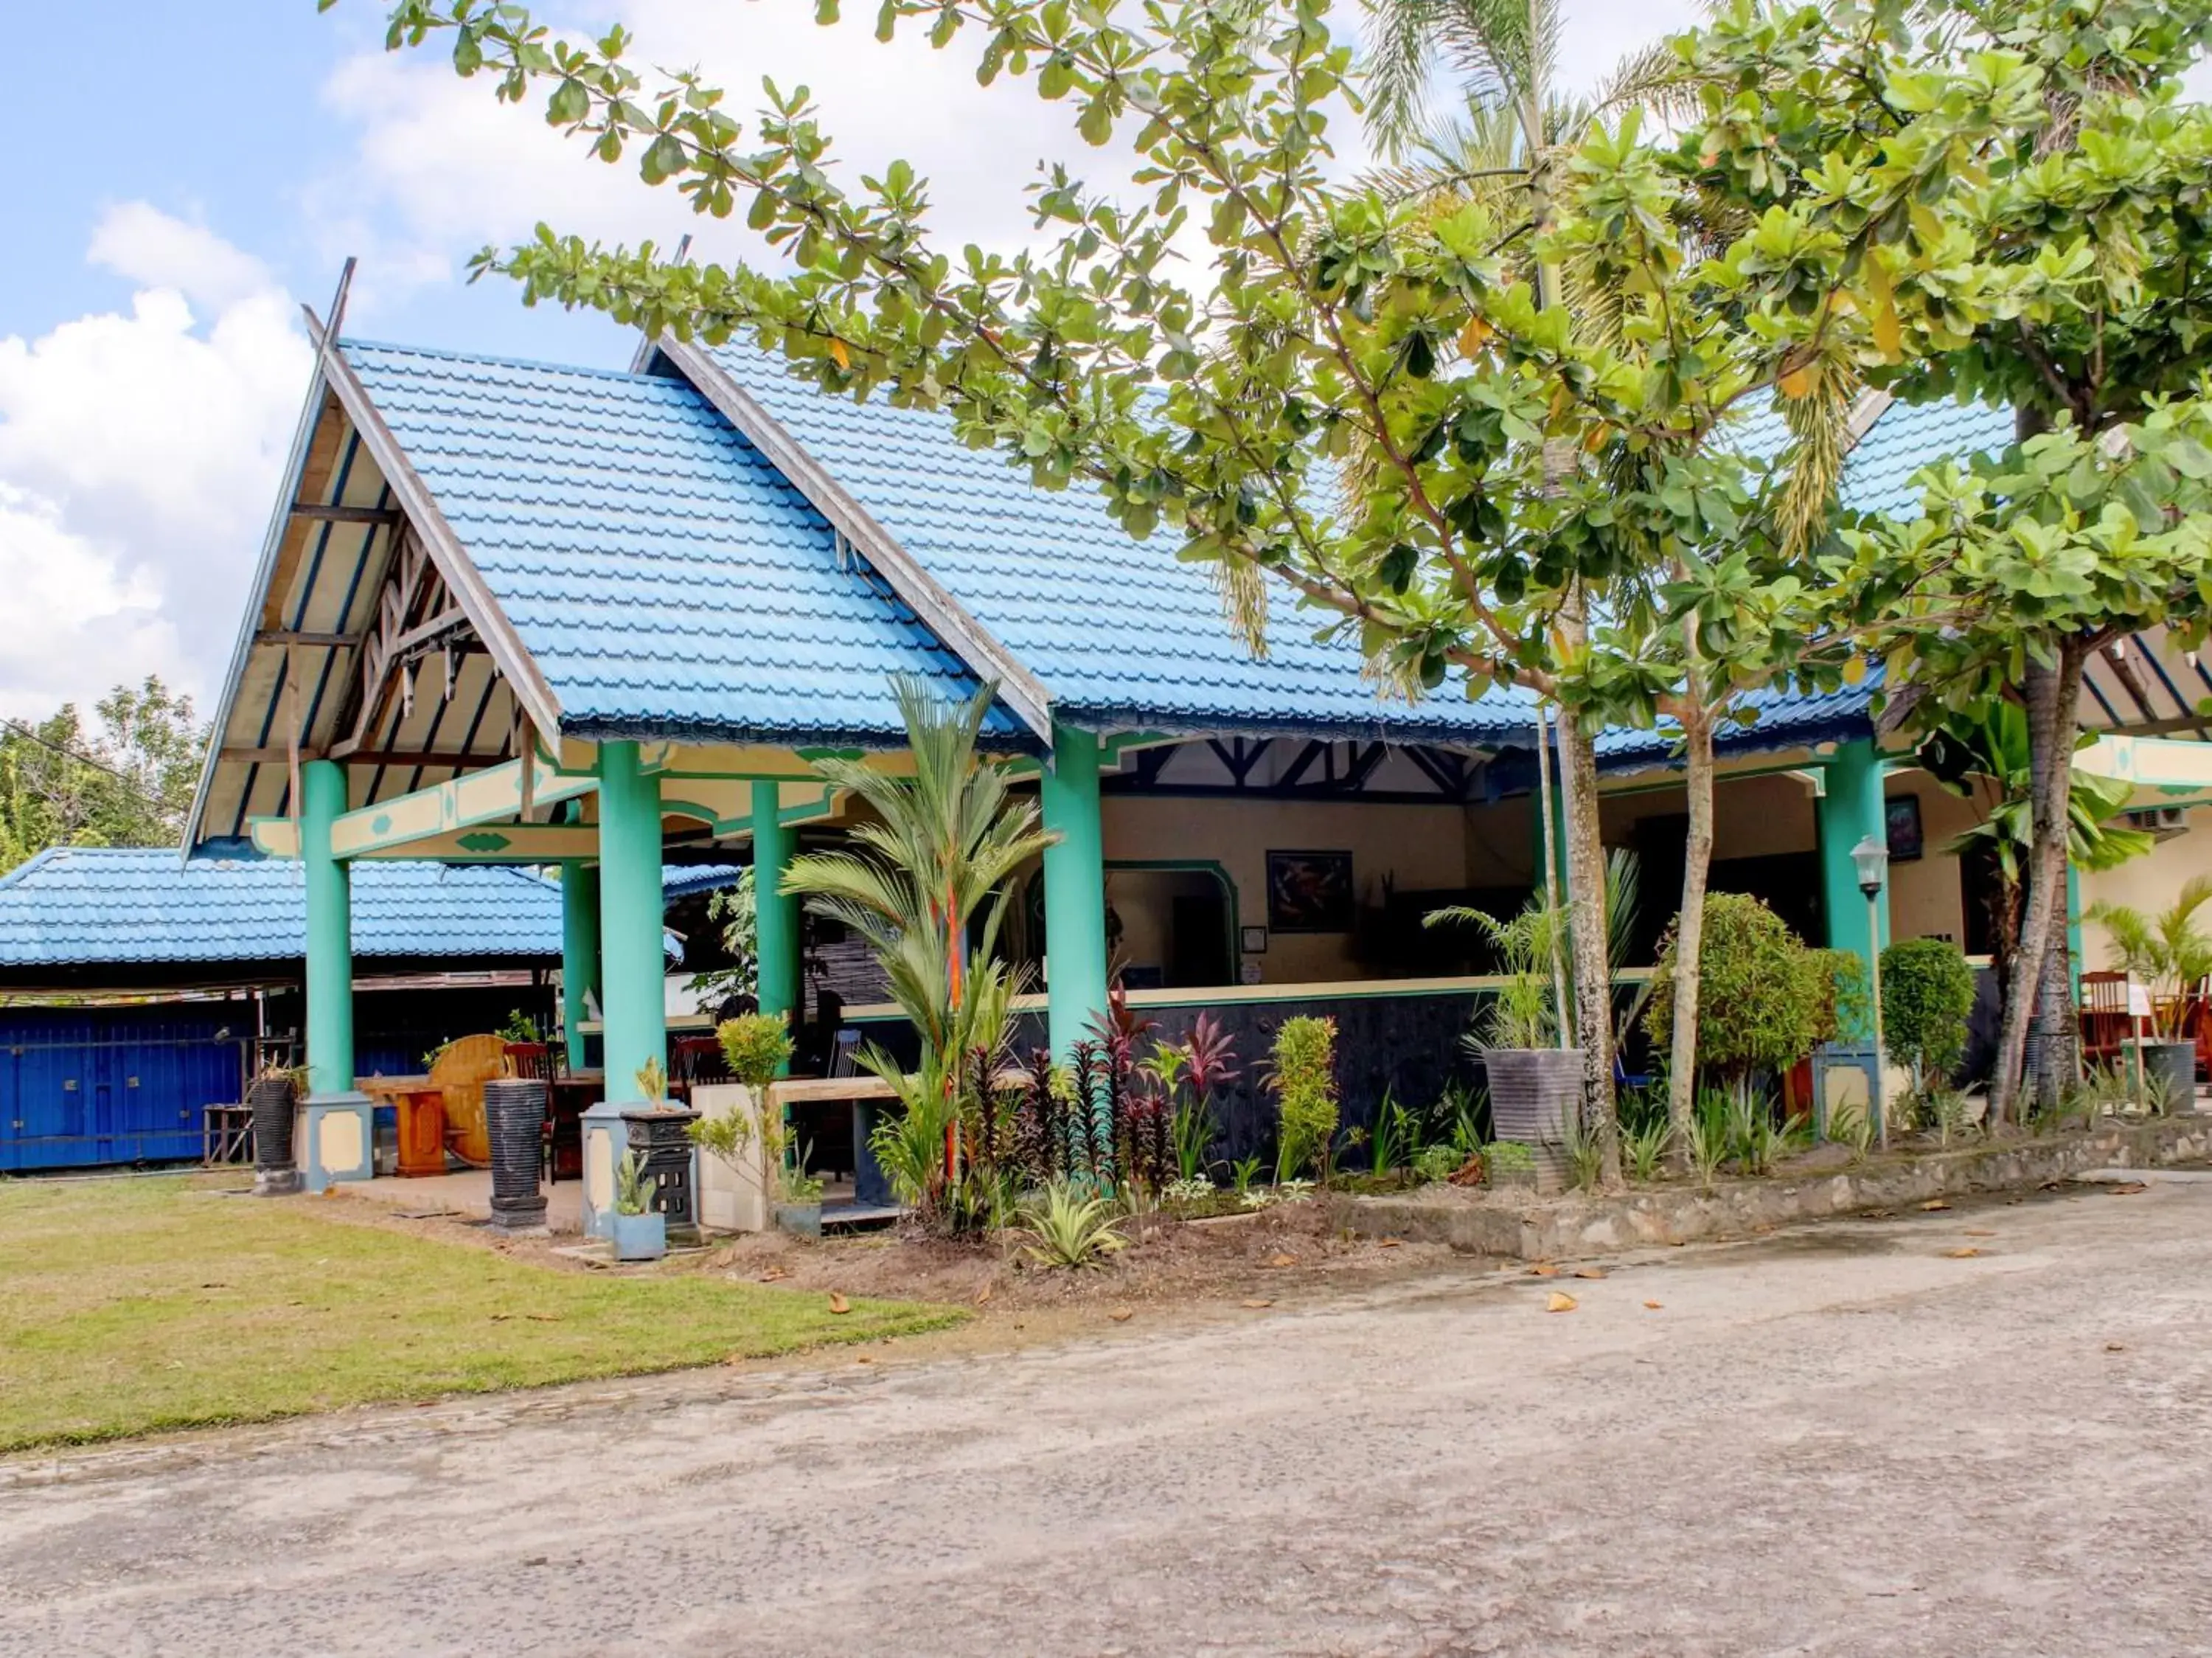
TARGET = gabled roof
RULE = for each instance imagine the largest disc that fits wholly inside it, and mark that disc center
(664, 578)
(134, 907)
(1119, 633)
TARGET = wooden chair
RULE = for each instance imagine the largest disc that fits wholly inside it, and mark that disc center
(2106, 1022)
(463, 1066)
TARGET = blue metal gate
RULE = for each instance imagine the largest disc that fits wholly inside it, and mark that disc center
(83, 1087)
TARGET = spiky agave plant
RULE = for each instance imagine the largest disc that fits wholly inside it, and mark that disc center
(1070, 1226)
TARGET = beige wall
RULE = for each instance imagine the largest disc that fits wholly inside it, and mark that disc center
(1421, 847)
(1753, 817)
(2148, 883)
(1926, 896)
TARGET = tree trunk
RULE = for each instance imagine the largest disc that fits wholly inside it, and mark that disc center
(1690, 934)
(2051, 730)
(2054, 1023)
(1586, 911)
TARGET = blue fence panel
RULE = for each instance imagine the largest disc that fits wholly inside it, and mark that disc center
(81, 1087)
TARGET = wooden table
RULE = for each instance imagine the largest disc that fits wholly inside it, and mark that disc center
(419, 1105)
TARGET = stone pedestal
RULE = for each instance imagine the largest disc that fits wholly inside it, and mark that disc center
(610, 1130)
(336, 1139)
(514, 1111)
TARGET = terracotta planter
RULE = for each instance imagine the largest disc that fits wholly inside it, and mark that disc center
(1532, 1093)
(276, 1172)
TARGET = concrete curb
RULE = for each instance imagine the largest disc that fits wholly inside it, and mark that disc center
(1522, 1226)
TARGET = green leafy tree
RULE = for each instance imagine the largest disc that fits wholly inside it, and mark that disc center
(1375, 406)
(1983, 755)
(126, 780)
(2004, 203)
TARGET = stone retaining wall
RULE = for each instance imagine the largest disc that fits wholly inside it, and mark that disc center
(1525, 1226)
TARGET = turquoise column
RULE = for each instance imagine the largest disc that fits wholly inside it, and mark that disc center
(775, 913)
(336, 1123)
(1074, 888)
(631, 963)
(329, 931)
(580, 951)
(1851, 810)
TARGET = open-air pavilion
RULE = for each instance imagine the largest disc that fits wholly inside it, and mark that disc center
(516, 612)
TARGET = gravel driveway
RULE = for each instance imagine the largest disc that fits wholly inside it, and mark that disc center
(1842, 1441)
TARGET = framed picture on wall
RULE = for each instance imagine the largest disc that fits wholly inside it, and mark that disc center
(1255, 939)
(1310, 892)
(1902, 814)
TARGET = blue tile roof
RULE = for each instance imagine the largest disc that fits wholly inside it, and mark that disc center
(1910, 435)
(665, 579)
(1904, 438)
(77, 905)
(1120, 633)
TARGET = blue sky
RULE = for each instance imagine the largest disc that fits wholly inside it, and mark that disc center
(198, 177)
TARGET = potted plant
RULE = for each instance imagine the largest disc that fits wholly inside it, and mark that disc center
(2170, 956)
(272, 1094)
(640, 1232)
(798, 1197)
(737, 1181)
(1535, 1085)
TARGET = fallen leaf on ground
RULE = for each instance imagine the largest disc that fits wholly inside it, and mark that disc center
(1980, 1232)
(774, 1273)
(982, 1294)
(863, 1359)
(1256, 1303)
(1935, 1203)
(1282, 1260)
(838, 1303)
(1390, 1243)
(1967, 1253)
(1651, 1307)
(1122, 1315)
(2129, 1188)
(1558, 1302)
(544, 1318)
(1590, 1272)
(2115, 1347)
(1544, 1270)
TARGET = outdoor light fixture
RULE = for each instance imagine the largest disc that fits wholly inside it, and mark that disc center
(1873, 860)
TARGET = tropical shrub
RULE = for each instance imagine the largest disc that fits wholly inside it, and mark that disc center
(2168, 952)
(1069, 1226)
(1927, 992)
(1846, 1007)
(1304, 1083)
(757, 1047)
(1761, 993)
(1524, 1011)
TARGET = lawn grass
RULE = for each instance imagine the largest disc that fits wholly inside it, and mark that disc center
(131, 1306)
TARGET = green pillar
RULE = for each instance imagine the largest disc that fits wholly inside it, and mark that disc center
(1074, 888)
(329, 931)
(1850, 810)
(580, 951)
(775, 913)
(631, 965)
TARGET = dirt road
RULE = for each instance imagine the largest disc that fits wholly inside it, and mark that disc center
(1847, 1441)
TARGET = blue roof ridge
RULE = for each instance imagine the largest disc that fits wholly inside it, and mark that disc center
(493, 360)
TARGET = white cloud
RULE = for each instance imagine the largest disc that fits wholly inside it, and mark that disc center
(140, 241)
(139, 453)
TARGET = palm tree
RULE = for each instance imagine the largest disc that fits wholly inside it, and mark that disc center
(924, 882)
(1507, 144)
